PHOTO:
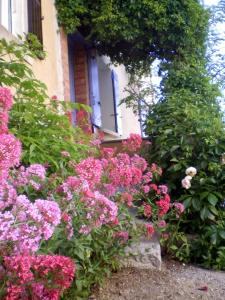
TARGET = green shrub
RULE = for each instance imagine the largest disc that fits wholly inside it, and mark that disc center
(118, 28)
(186, 129)
(40, 123)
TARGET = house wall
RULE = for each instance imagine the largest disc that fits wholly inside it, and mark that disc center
(81, 75)
(50, 70)
(54, 72)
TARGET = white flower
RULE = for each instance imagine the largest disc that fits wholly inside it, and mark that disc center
(191, 171)
(188, 177)
(186, 183)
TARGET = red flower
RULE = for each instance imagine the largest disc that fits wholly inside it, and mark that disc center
(147, 210)
(150, 229)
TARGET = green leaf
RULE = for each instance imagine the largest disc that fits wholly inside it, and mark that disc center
(204, 213)
(222, 234)
(175, 147)
(196, 203)
(212, 199)
(174, 159)
(187, 202)
(213, 210)
(173, 247)
(203, 195)
(214, 238)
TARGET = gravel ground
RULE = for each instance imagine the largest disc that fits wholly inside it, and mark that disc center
(175, 281)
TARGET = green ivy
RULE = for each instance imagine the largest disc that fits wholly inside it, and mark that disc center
(135, 33)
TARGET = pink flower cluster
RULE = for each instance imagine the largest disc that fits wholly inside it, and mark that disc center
(40, 277)
(8, 195)
(10, 152)
(34, 176)
(99, 211)
(133, 143)
(67, 219)
(10, 147)
(24, 224)
(27, 224)
(90, 169)
(124, 171)
(123, 236)
(5, 106)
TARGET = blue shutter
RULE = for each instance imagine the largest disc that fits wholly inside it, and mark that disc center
(142, 117)
(94, 91)
(116, 99)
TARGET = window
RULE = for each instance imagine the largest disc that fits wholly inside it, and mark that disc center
(13, 16)
(21, 16)
(107, 95)
(6, 14)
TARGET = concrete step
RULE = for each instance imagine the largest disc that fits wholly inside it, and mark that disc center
(144, 253)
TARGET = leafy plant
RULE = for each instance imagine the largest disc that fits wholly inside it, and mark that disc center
(39, 122)
(186, 129)
(118, 28)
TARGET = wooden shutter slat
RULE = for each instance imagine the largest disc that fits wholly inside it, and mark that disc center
(35, 18)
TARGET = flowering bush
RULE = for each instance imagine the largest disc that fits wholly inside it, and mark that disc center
(24, 224)
(37, 277)
(82, 212)
(187, 129)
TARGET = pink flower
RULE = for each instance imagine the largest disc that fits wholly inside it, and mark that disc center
(54, 98)
(153, 187)
(146, 189)
(154, 168)
(6, 99)
(139, 162)
(150, 229)
(42, 276)
(90, 169)
(110, 190)
(163, 206)
(4, 118)
(133, 143)
(186, 183)
(163, 189)
(162, 224)
(107, 152)
(123, 235)
(127, 198)
(179, 207)
(96, 142)
(147, 177)
(10, 151)
(65, 154)
(147, 210)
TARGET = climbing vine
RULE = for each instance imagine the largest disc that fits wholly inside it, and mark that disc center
(135, 32)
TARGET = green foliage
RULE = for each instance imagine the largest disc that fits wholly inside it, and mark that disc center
(135, 33)
(37, 121)
(186, 129)
(35, 46)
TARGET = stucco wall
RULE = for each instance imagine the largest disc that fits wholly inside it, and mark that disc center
(49, 70)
